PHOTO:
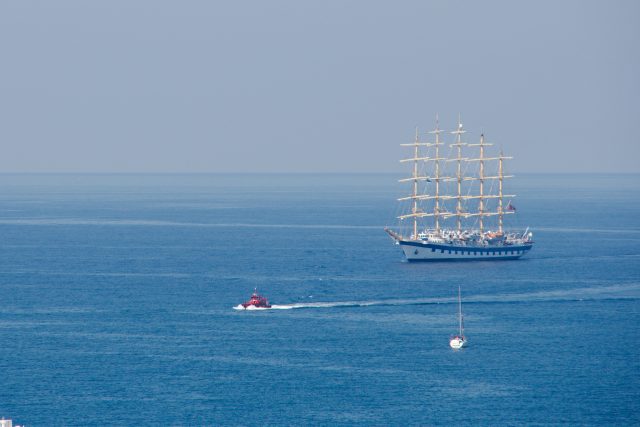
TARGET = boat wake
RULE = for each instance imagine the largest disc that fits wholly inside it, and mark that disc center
(317, 305)
(623, 291)
(250, 308)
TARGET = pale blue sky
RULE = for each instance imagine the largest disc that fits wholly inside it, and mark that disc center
(330, 86)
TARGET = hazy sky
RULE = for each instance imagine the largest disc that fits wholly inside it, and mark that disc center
(335, 86)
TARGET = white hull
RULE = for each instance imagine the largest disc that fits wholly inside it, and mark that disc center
(457, 343)
(417, 251)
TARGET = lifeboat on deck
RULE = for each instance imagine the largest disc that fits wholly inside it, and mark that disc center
(257, 301)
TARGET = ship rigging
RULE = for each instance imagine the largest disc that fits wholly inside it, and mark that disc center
(444, 188)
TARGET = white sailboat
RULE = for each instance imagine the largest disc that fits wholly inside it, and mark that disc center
(459, 340)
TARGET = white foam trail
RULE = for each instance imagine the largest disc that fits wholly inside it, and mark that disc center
(329, 304)
(632, 290)
(249, 308)
(352, 303)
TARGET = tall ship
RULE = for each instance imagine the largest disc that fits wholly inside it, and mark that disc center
(456, 209)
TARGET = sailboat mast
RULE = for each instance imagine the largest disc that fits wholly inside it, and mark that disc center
(415, 187)
(436, 209)
(460, 310)
(481, 178)
(500, 178)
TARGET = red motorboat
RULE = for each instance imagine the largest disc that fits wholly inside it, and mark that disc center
(257, 301)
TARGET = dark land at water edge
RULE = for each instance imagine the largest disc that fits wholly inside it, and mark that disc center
(117, 294)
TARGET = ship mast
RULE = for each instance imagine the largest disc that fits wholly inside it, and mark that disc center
(500, 179)
(439, 210)
(501, 195)
(481, 176)
(436, 206)
(482, 197)
(459, 159)
(414, 210)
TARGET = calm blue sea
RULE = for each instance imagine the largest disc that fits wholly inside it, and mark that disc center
(116, 296)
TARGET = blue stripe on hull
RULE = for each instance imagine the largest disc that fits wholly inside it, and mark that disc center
(485, 258)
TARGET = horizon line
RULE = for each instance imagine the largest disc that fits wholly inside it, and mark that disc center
(281, 173)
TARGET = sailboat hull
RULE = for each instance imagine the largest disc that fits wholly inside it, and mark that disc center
(457, 343)
(417, 250)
